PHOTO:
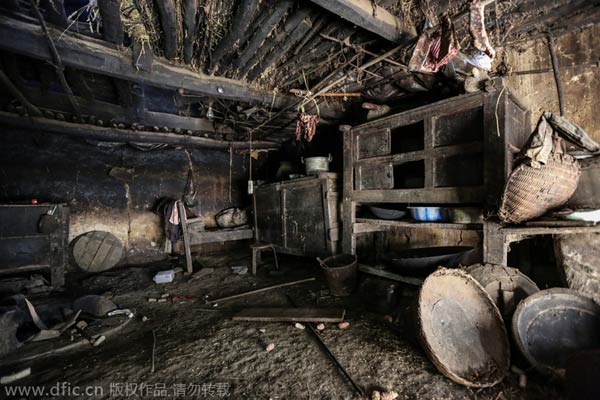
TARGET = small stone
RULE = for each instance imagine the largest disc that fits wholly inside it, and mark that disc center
(262, 330)
(144, 318)
(298, 325)
(389, 395)
(522, 381)
(270, 347)
(343, 325)
(375, 395)
(321, 327)
(388, 318)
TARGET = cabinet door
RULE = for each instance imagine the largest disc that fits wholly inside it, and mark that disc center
(373, 143)
(304, 220)
(268, 215)
(376, 176)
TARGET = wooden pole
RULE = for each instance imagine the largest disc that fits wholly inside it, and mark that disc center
(33, 110)
(58, 65)
(235, 296)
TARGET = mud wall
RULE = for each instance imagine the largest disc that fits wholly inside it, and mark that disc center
(54, 168)
(576, 53)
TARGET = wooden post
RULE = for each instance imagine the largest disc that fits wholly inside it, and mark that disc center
(186, 237)
(168, 19)
(495, 245)
(349, 206)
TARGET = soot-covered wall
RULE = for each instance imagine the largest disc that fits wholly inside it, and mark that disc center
(55, 168)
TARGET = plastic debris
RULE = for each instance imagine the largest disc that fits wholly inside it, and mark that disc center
(298, 325)
(164, 277)
(480, 60)
(239, 269)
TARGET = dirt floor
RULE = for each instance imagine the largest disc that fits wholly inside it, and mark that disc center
(199, 352)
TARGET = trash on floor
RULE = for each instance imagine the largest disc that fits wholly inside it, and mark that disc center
(239, 269)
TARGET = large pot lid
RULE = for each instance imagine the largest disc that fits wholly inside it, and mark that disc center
(462, 330)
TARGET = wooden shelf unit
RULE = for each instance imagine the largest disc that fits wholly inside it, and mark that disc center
(457, 151)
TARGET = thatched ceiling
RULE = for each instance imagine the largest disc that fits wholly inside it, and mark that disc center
(284, 50)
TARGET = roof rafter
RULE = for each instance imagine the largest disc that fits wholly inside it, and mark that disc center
(90, 55)
(369, 16)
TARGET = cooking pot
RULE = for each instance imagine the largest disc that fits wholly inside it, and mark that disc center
(314, 165)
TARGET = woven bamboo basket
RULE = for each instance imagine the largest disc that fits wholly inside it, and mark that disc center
(532, 192)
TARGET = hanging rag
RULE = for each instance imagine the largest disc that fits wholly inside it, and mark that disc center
(172, 225)
(306, 126)
(434, 49)
(477, 28)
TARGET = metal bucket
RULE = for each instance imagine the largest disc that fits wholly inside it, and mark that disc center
(341, 273)
(314, 165)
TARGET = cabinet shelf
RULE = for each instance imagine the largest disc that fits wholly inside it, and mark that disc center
(364, 225)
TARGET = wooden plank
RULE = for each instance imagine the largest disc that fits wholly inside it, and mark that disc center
(223, 235)
(467, 194)
(360, 222)
(186, 237)
(95, 56)
(371, 17)
(548, 230)
(108, 111)
(367, 269)
(443, 107)
(349, 206)
(261, 290)
(123, 135)
(291, 314)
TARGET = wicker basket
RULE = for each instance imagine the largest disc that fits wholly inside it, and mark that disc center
(531, 192)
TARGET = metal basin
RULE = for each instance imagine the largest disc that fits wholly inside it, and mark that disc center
(424, 260)
(387, 212)
(461, 329)
(552, 324)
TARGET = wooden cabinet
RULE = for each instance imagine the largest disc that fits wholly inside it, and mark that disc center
(34, 241)
(456, 151)
(299, 216)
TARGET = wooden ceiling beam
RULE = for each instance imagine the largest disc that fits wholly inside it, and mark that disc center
(108, 112)
(367, 15)
(78, 52)
(124, 135)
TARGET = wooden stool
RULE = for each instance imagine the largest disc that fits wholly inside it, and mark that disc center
(256, 255)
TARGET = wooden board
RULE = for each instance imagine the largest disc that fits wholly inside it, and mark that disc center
(292, 314)
(97, 251)
(371, 17)
(367, 269)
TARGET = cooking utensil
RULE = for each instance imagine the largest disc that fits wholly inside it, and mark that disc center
(384, 212)
(424, 260)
